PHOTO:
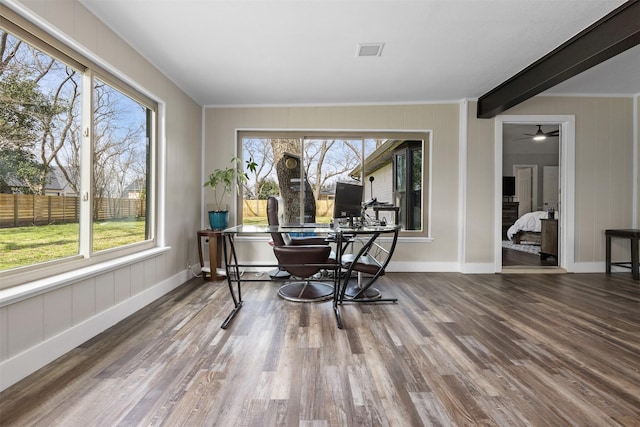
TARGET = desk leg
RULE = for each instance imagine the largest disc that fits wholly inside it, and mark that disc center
(634, 259)
(337, 283)
(336, 310)
(608, 255)
(233, 271)
(231, 315)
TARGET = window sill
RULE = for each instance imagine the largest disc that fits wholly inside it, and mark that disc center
(21, 292)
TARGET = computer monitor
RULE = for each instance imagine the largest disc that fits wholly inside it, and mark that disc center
(348, 201)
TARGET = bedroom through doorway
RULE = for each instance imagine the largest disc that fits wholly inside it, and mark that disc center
(530, 235)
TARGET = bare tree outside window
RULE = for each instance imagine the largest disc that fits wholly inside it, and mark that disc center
(303, 172)
(41, 141)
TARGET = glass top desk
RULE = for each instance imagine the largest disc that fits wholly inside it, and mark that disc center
(371, 258)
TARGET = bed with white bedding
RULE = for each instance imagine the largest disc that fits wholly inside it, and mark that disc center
(527, 228)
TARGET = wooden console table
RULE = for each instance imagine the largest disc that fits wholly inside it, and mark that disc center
(633, 235)
(215, 253)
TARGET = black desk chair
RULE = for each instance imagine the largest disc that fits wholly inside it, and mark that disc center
(307, 263)
(304, 258)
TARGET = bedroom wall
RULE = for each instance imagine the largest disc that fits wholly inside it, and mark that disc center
(440, 254)
(37, 329)
(603, 172)
(530, 153)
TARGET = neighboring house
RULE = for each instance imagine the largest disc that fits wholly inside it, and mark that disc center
(135, 190)
(405, 191)
(12, 186)
(56, 184)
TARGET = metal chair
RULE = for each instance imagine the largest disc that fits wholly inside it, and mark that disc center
(304, 258)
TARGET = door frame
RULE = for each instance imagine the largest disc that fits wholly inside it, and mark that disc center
(566, 223)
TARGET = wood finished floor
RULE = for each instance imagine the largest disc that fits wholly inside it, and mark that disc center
(503, 350)
(512, 258)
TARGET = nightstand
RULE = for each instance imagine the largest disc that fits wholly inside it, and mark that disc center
(549, 238)
(509, 216)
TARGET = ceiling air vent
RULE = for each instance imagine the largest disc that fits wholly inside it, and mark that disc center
(369, 49)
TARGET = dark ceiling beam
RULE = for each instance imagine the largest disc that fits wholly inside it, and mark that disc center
(611, 35)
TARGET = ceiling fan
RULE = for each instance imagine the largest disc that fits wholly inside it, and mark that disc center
(540, 135)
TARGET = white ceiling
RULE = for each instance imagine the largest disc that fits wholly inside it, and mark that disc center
(267, 52)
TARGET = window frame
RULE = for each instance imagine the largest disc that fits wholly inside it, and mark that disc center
(406, 150)
(423, 135)
(89, 69)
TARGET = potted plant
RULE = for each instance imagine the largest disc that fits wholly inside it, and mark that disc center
(222, 181)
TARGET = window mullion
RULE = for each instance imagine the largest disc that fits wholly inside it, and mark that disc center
(86, 165)
(303, 180)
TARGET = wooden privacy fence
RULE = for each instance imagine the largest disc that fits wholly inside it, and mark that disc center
(25, 209)
(258, 208)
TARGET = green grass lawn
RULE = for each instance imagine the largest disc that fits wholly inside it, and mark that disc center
(22, 246)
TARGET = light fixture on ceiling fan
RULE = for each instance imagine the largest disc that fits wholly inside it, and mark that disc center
(541, 135)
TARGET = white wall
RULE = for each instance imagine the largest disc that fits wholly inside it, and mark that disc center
(37, 327)
(604, 166)
(603, 173)
(440, 254)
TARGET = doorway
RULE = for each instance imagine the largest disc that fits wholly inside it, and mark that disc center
(542, 169)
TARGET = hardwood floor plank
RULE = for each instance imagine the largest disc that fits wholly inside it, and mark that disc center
(339, 401)
(497, 350)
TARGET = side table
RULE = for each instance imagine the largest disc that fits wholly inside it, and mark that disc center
(633, 235)
(215, 240)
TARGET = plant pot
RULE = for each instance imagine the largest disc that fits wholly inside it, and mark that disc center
(218, 220)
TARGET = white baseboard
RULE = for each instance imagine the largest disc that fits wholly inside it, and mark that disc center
(468, 268)
(478, 268)
(423, 267)
(22, 365)
(597, 267)
(413, 267)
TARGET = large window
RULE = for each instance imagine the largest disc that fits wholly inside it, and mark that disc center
(303, 168)
(76, 157)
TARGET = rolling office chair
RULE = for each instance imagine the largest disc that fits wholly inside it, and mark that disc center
(305, 262)
(303, 258)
